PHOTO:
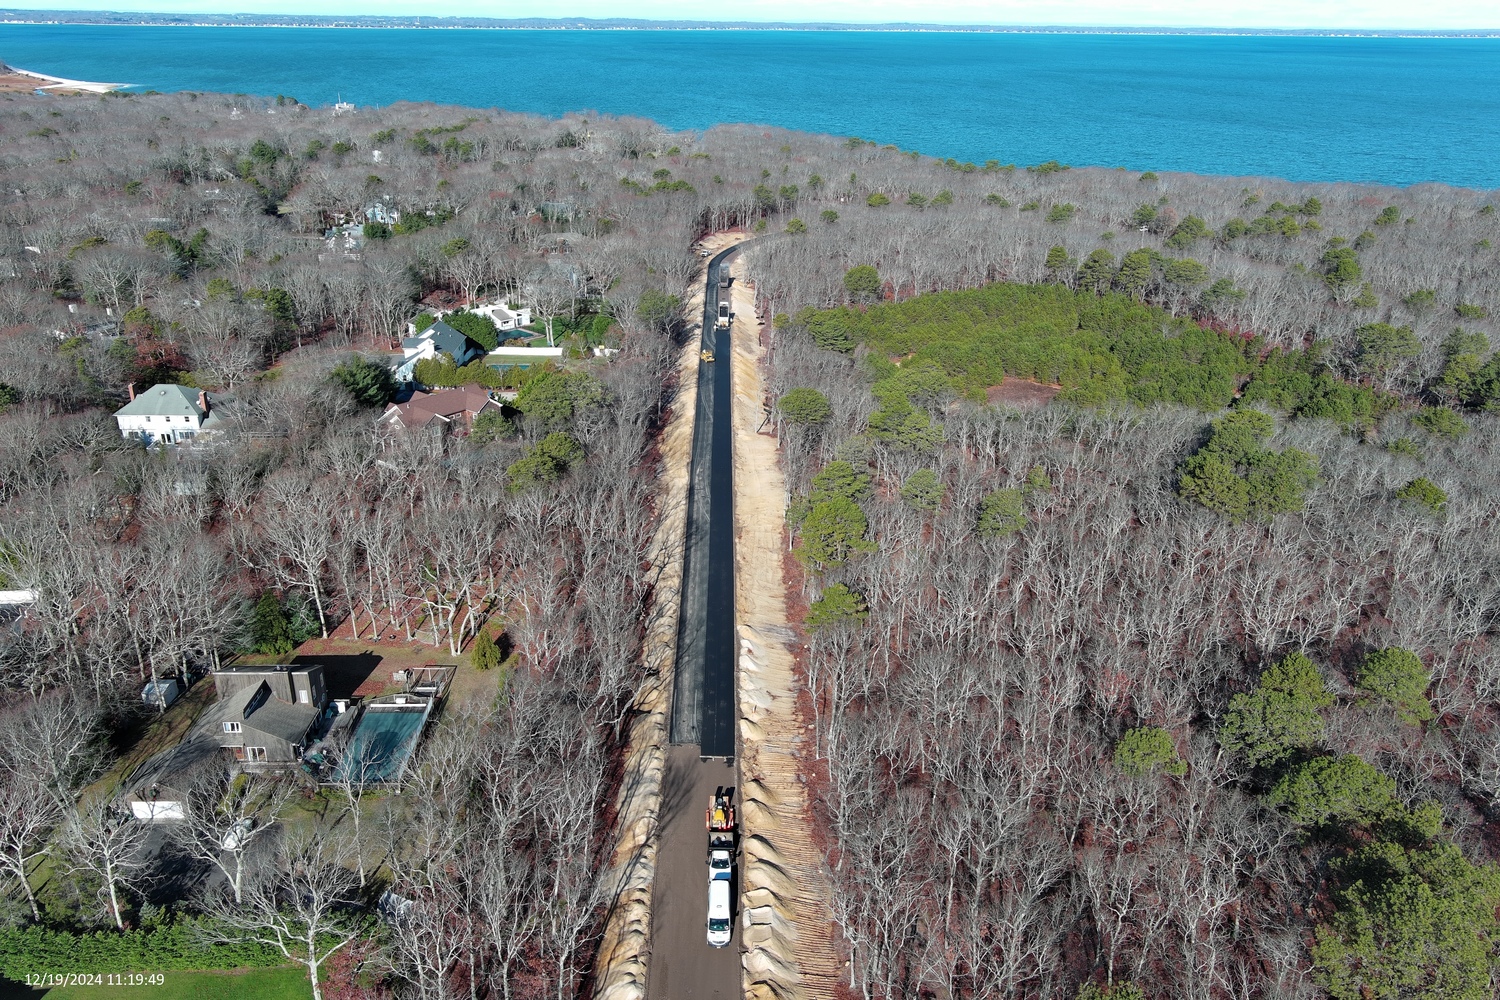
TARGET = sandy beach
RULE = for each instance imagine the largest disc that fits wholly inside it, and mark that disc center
(13, 80)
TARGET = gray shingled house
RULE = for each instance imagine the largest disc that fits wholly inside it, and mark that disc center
(266, 715)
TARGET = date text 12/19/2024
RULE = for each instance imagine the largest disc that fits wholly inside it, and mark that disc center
(51, 980)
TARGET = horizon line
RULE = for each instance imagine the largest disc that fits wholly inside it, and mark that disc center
(7, 15)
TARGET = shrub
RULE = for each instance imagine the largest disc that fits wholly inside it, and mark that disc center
(1001, 513)
(1235, 474)
(480, 329)
(1281, 716)
(829, 216)
(796, 227)
(547, 461)
(804, 406)
(1424, 492)
(1142, 751)
(923, 490)
(862, 282)
(174, 946)
(877, 200)
(368, 383)
(1398, 676)
(1062, 213)
(1338, 792)
(1421, 300)
(1441, 422)
(838, 605)
(1405, 447)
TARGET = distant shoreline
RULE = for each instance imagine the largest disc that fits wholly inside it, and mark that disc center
(163, 20)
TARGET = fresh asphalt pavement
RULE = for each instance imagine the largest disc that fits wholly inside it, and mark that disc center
(703, 692)
(683, 964)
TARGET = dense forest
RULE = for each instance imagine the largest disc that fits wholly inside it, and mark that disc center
(1184, 679)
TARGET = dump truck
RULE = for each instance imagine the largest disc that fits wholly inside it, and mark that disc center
(723, 276)
(723, 323)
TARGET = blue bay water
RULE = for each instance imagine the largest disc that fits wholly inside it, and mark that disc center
(1389, 110)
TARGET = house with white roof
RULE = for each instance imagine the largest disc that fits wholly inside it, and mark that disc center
(501, 312)
(166, 414)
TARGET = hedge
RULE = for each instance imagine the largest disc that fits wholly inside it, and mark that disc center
(177, 946)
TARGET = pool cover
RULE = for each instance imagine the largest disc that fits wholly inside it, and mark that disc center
(381, 744)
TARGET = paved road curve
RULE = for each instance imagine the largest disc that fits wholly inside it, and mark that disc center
(683, 965)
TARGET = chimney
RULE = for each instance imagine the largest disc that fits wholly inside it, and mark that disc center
(203, 402)
(131, 387)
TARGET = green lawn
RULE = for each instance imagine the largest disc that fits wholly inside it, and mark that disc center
(251, 984)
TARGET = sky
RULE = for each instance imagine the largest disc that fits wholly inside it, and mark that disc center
(1356, 14)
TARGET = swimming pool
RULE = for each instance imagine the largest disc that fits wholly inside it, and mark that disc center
(382, 743)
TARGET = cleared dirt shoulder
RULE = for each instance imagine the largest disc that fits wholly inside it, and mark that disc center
(789, 948)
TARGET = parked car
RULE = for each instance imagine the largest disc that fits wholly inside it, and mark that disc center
(235, 836)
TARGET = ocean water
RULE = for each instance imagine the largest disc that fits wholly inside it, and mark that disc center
(1388, 110)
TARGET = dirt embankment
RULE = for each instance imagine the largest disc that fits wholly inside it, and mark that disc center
(789, 946)
(625, 950)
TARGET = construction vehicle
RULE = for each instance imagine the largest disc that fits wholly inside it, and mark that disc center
(721, 848)
(723, 276)
(706, 356)
(723, 323)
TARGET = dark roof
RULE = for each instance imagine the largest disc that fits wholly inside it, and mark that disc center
(172, 769)
(444, 338)
(282, 720)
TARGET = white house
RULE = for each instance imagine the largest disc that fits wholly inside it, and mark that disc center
(504, 315)
(439, 338)
(501, 313)
(166, 414)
